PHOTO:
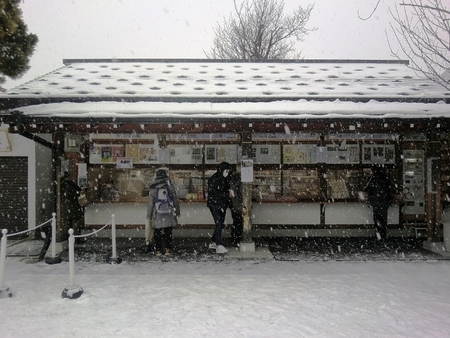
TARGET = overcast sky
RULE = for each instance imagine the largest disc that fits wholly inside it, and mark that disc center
(184, 29)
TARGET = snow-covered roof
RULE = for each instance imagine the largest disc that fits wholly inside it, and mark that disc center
(228, 80)
(162, 90)
(278, 110)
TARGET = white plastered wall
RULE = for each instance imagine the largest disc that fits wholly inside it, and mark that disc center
(45, 198)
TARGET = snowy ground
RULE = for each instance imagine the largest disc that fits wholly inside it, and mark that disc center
(230, 298)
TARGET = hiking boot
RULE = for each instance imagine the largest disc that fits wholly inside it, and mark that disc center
(212, 246)
(158, 253)
(221, 249)
(167, 252)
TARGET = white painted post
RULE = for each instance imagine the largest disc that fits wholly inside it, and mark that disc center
(72, 291)
(3, 259)
(71, 259)
(114, 259)
(4, 290)
(53, 259)
(113, 235)
(54, 234)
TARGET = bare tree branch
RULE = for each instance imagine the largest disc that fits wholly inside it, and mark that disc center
(259, 29)
(374, 10)
(425, 6)
(422, 30)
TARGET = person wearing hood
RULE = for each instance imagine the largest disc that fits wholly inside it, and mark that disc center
(162, 211)
(217, 202)
(73, 212)
(237, 206)
(379, 198)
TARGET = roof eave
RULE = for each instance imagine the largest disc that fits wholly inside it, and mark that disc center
(17, 102)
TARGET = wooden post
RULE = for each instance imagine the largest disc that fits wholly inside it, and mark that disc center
(247, 219)
(58, 150)
(433, 167)
(247, 244)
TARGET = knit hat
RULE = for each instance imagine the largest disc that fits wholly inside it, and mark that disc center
(223, 166)
(161, 174)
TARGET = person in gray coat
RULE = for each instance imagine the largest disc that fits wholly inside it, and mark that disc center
(162, 214)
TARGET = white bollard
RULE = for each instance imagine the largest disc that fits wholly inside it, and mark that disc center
(53, 259)
(53, 234)
(114, 259)
(72, 291)
(113, 236)
(4, 290)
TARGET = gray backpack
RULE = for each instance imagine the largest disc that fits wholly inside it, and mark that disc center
(164, 201)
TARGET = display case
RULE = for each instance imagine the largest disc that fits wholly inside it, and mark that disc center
(189, 184)
(267, 185)
(301, 184)
(343, 183)
(305, 170)
(107, 184)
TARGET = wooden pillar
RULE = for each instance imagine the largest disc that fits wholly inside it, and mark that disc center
(433, 168)
(247, 187)
(58, 150)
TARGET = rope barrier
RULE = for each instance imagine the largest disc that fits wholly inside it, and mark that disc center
(113, 259)
(72, 291)
(94, 232)
(22, 232)
(50, 260)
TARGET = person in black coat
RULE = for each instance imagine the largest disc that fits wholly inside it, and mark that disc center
(73, 212)
(218, 202)
(236, 206)
(379, 198)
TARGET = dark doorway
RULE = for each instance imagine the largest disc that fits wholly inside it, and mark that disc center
(14, 193)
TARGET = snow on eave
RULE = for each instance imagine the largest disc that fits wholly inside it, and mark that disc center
(247, 110)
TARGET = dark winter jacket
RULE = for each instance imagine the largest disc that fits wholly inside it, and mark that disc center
(159, 221)
(71, 207)
(378, 189)
(236, 187)
(219, 188)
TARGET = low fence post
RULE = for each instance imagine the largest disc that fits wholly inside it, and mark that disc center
(72, 291)
(114, 259)
(4, 290)
(54, 259)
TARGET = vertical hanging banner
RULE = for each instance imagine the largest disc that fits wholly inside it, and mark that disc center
(247, 170)
(82, 175)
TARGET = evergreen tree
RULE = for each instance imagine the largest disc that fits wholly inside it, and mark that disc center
(16, 44)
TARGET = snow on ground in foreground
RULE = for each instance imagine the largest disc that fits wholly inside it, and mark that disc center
(229, 299)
